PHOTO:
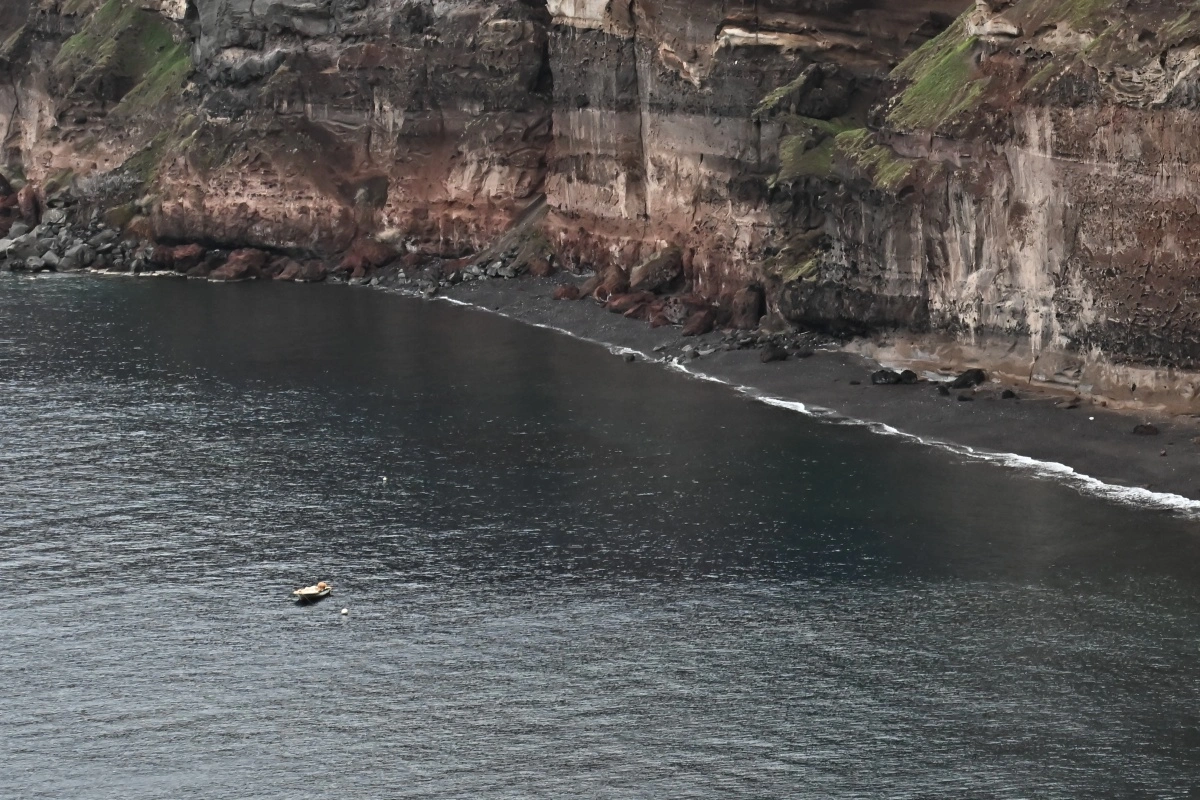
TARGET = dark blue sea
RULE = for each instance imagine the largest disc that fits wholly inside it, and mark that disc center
(566, 576)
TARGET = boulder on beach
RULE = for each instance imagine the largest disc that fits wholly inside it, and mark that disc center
(289, 270)
(621, 303)
(242, 265)
(1146, 429)
(541, 268)
(908, 377)
(365, 254)
(30, 205)
(186, 256)
(885, 377)
(773, 352)
(312, 271)
(162, 256)
(566, 291)
(700, 322)
(613, 281)
(747, 308)
(969, 379)
(677, 309)
(659, 272)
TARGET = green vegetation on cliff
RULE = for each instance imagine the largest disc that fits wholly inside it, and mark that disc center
(941, 81)
(818, 154)
(877, 162)
(125, 52)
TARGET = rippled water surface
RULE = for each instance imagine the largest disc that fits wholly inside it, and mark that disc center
(581, 578)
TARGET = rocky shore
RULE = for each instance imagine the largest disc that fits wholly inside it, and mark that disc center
(650, 314)
(1145, 458)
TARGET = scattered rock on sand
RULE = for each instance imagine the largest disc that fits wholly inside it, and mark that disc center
(242, 265)
(747, 308)
(700, 323)
(773, 352)
(541, 268)
(614, 281)
(1008, 394)
(659, 272)
(621, 303)
(1146, 429)
(567, 291)
(966, 398)
(885, 377)
(366, 253)
(289, 270)
(908, 377)
(186, 256)
(31, 207)
(969, 379)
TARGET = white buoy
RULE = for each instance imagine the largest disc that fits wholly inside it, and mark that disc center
(385, 478)
(345, 611)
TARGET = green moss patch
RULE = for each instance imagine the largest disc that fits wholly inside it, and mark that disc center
(799, 159)
(942, 82)
(123, 51)
(879, 163)
(776, 97)
(164, 80)
(810, 152)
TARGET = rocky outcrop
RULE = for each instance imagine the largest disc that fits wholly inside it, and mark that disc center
(1007, 182)
(1037, 202)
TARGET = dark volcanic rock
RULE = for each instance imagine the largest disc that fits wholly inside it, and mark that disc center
(186, 256)
(242, 265)
(614, 281)
(773, 352)
(908, 377)
(589, 286)
(366, 254)
(700, 322)
(659, 273)
(885, 377)
(30, 205)
(567, 291)
(623, 303)
(1146, 429)
(969, 379)
(313, 271)
(541, 268)
(289, 270)
(747, 308)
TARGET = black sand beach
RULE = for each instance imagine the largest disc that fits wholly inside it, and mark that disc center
(1089, 445)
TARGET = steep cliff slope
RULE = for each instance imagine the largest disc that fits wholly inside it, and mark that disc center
(1042, 203)
(1016, 178)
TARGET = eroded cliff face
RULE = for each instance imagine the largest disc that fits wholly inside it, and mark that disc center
(1042, 202)
(1013, 182)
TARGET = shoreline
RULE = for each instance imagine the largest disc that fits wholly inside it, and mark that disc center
(1087, 446)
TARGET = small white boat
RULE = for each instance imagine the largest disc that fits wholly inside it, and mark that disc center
(311, 594)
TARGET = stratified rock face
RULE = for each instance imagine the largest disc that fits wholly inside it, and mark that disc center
(1040, 191)
(306, 123)
(294, 123)
(1026, 176)
(669, 116)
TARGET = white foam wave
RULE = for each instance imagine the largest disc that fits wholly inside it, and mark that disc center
(1047, 470)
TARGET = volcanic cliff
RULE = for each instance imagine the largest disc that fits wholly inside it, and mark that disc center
(1012, 184)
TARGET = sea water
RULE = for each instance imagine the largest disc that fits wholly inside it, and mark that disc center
(566, 576)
